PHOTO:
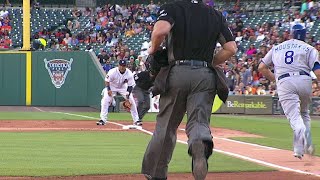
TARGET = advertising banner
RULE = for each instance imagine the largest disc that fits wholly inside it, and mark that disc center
(247, 105)
(234, 104)
(258, 105)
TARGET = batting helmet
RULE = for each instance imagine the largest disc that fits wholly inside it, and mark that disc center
(299, 32)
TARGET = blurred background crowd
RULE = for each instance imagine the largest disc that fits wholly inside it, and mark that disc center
(122, 31)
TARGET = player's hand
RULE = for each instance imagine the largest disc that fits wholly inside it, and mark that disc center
(110, 93)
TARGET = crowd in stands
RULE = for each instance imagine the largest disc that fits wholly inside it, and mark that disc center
(108, 26)
(5, 29)
(242, 72)
(111, 25)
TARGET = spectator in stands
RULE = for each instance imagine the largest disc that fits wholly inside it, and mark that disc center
(74, 41)
(76, 12)
(103, 56)
(87, 11)
(36, 4)
(69, 25)
(107, 66)
(132, 64)
(246, 75)
(129, 32)
(262, 51)
(67, 40)
(6, 3)
(230, 80)
(304, 6)
(248, 90)
(137, 28)
(252, 50)
(256, 78)
(142, 66)
(76, 24)
(260, 36)
(239, 26)
(318, 46)
(237, 91)
(261, 90)
(7, 41)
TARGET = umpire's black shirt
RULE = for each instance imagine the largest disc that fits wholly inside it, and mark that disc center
(196, 30)
(143, 80)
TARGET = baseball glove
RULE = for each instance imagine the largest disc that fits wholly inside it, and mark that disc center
(126, 105)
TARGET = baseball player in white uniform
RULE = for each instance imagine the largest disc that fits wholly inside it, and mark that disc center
(118, 80)
(293, 60)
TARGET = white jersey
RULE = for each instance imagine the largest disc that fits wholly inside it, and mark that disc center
(118, 81)
(291, 56)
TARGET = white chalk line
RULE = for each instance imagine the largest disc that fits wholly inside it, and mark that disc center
(39, 109)
(240, 142)
(216, 150)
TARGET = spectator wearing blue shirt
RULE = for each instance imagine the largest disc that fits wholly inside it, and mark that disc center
(107, 66)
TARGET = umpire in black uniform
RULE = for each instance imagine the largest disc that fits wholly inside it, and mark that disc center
(191, 30)
(144, 81)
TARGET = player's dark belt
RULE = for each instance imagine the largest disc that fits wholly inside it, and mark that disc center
(288, 75)
(191, 63)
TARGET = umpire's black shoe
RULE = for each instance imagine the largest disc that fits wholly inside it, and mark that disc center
(151, 178)
(101, 123)
(199, 160)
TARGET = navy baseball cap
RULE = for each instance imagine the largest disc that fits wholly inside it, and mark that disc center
(122, 63)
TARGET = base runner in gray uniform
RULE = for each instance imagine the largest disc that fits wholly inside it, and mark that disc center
(192, 30)
(293, 60)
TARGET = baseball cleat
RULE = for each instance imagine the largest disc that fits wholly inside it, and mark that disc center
(137, 123)
(297, 155)
(101, 123)
(199, 161)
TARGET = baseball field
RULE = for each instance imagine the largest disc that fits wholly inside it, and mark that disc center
(65, 143)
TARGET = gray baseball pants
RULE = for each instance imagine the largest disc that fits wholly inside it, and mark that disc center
(143, 101)
(191, 90)
(295, 96)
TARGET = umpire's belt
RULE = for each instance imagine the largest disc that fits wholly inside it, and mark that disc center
(191, 63)
(293, 74)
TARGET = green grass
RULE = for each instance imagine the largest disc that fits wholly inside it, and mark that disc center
(60, 116)
(275, 130)
(77, 153)
(85, 153)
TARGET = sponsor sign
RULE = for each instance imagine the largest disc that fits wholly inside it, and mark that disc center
(247, 105)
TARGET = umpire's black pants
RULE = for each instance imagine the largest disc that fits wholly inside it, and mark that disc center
(191, 90)
(143, 100)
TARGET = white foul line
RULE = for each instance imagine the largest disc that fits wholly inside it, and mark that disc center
(39, 109)
(216, 150)
(87, 117)
(240, 142)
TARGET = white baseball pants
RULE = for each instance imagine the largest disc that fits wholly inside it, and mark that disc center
(107, 100)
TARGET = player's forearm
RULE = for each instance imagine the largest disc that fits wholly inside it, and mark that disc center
(268, 74)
